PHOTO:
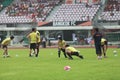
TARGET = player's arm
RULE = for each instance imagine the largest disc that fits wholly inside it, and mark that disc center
(64, 43)
(106, 46)
(37, 37)
(58, 45)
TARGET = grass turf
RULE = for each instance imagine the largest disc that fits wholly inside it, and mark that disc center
(49, 67)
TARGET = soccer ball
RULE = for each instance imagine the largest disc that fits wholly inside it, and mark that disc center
(67, 68)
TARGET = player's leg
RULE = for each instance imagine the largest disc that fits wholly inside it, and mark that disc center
(98, 51)
(59, 52)
(35, 49)
(77, 54)
(63, 50)
(38, 44)
(80, 56)
(69, 55)
(105, 49)
(102, 49)
(5, 52)
(30, 51)
(36, 55)
(7, 55)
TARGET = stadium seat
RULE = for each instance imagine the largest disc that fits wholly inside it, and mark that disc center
(75, 12)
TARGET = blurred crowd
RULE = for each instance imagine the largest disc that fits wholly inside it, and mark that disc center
(112, 5)
(40, 8)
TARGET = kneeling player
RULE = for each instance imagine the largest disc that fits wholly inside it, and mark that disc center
(72, 51)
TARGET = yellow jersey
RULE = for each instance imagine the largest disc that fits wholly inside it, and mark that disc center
(61, 44)
(6, 41)
(103, 41)
(33, 37)
(71, 49)
(38, 34)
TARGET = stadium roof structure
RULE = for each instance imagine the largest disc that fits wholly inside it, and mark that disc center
(47, 28)
(58, 28)
(112, 27)
(66, 28)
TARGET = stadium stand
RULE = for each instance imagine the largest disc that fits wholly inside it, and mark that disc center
(110, 19)
(111, 11)
(75, 12)
(26, 11)
(61, 17)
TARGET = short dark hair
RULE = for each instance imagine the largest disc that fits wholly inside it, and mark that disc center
(60, 37)
(33, 29)
(12, 37)
(67, 45)
(96, 29)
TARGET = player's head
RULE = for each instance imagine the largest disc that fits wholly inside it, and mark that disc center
(67, 45)
(33, 29)
(96, 29)
(11, 37)
(59, 37)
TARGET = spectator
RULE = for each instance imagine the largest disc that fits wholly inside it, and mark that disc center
(44, 40)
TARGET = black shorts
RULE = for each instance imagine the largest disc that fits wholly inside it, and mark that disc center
(105, 43)
(61, 49)
(32, 45)
(4, 46)
(75, 53)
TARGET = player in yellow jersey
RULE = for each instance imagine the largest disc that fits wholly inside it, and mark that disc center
(33, 38)
(4, 44)
(61, 46)
(104, 46)
(70, 51)
(38, 42)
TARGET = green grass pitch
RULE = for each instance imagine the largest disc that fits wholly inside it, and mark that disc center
(49, 67)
